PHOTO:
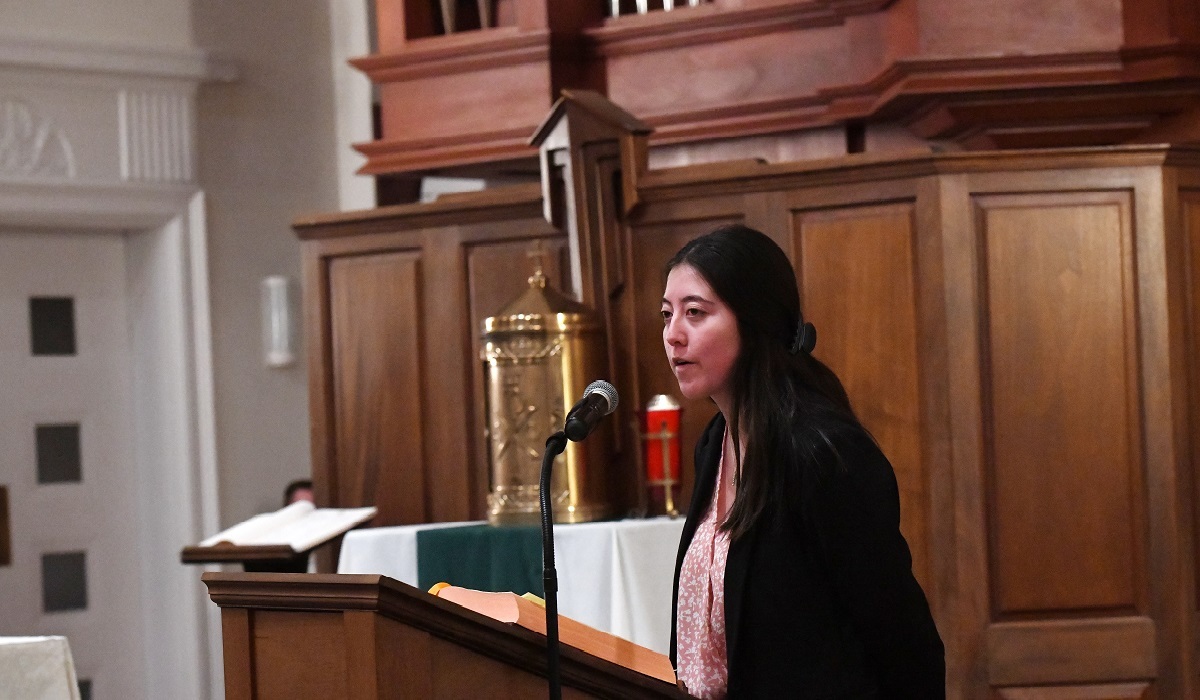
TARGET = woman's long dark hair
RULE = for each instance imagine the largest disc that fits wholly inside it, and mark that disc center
(786, 403)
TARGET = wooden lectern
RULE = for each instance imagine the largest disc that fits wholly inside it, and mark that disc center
(362, 637)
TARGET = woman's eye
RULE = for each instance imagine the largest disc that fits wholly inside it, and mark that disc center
(666, 315)
(693, 313)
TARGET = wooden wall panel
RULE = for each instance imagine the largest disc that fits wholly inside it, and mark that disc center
(1108, 691)
(653, 246)
(1082, 650)
(1061, 405)
(411, 670)
(445, 372)
(376, 334)
(1189, 202)
(857, 280)
(415, 274)
(298, 663)
(417, 111)
(1016, 329)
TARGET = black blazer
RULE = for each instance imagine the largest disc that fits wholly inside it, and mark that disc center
(824, 606)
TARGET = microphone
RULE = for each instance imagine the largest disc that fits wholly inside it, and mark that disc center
(599, 400)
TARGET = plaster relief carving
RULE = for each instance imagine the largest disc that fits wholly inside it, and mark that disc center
(32, 146)
(156, 136)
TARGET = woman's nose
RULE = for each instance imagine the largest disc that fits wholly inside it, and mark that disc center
(672, 334)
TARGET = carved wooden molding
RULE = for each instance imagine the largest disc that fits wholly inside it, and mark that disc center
(457, 53)
(739, 177)
(416, 154)
(493, 204)
(992, 100)
(708, 23)
(932, 96)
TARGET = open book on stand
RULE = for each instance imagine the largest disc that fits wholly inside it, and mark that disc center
(515, 609)
(287, 532)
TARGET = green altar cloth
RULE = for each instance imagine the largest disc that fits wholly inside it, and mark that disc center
(483, 557)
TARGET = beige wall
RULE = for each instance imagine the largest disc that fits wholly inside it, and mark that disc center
(266, 154)
(159, 24)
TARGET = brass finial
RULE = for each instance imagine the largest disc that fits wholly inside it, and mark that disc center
(539, 256)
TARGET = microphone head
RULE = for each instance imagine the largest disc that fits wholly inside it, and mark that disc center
(608, 391)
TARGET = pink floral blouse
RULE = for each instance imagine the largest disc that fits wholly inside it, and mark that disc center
(700, 630)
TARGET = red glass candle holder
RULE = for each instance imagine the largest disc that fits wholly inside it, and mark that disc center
(662, 452)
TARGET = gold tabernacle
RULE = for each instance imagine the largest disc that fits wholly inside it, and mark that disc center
(540, 352)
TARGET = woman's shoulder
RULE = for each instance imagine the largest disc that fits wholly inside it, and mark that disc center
(839, 444)
(818, 414)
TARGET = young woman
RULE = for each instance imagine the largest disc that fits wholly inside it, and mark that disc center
(793, 580)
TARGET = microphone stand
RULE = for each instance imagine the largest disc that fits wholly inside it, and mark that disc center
(555, 445)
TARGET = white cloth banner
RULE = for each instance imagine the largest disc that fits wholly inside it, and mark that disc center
(37, 668)
(614, 576)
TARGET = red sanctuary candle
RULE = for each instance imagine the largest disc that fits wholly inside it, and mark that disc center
(662, 415)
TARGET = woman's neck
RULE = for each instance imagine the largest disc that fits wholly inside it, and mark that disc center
(727, 489)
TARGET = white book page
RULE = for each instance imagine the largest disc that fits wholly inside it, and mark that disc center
(254, 529)
(318, 526)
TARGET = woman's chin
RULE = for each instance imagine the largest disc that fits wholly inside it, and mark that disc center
(692, 392)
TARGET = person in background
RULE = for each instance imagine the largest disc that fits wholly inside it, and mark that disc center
(792, 579)
(298, 490)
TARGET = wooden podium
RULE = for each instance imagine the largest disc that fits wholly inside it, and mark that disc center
(362, 637)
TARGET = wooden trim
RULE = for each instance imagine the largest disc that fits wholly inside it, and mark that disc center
(743, 177)
(318, 334)
(1164, 375)
(237, 632)
(966, 663)
(704, 24)
(1184, 200)
(908, 89)
(994, 100)
(514, 202)
(1072, 651)
(918, 90)
(985, 201)
(362, 654)
(457, 53)
(1161, 60)
(235, 553)
(936, 432)
(1090, 691)
(751, 176)
(407, 155)
(239, 595)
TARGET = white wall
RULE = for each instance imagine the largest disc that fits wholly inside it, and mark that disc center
(268, 149)
(267, 153)
(159, 24)
(117, 79)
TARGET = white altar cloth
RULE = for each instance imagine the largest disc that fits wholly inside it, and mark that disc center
(37, 668)
(614, 576)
